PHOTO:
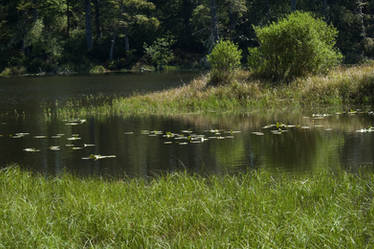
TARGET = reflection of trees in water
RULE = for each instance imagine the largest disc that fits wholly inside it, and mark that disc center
(141, 155)
(358, 150)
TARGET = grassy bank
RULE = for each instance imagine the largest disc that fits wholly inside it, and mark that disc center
(254, 210)
(342, 89)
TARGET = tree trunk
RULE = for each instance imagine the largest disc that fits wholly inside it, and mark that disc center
(213, 14)
(293, 5)
(325, 12)
(361, 26)
(68, 18)
(88, 25)
(127, 42)
(97, 19)
(111, 51)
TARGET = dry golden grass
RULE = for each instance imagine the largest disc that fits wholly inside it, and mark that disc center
(343, 88)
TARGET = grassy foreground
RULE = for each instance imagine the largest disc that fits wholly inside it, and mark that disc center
(253, 210)
(340, 90)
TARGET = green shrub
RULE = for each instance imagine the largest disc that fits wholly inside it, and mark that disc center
(295, 46)
(13, 71)
(97, 69)
(224, 60)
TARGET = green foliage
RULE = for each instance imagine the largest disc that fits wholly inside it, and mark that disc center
(13, 71)
(295, 46)
(160, 52)
(99, 69)
(224, 60)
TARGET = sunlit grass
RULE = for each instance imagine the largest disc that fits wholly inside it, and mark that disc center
(252, 210)
(342, 89)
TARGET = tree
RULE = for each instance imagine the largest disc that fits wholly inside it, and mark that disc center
(123, 16)
(159, 52)
(88, 24)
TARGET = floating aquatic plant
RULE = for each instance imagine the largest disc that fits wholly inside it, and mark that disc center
(88, 145)
(77, 148)
(257, 133)
(76, 122)
(73, 138)
(54, 148)
(33, 150)
(370, 129)
(97, 157)
(40, 137)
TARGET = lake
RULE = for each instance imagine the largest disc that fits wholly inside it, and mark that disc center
(116, 146)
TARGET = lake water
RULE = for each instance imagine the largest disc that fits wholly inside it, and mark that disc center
(146, 146)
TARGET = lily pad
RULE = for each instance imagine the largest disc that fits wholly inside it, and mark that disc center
(97, 157)
(33, 150)
(269, 126)
(186, 131)
(77, 148)
(195, 142)
(22, 134)
(73, 138)
(54, 148)
(257, 133)
(88, 145)
(40, 137)
(276, 132)
(370, 129)
(128, 132)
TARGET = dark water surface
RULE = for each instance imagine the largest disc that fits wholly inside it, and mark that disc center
(143, 146)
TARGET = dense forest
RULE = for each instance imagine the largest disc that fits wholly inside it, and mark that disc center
(77, 35)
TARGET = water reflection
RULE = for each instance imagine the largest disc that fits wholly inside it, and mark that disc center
(300, 149)
(117, 146)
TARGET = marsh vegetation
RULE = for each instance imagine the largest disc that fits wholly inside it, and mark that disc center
(251, 210)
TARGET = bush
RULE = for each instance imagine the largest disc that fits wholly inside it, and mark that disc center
(224, 61)
(97, 69)
(13, 71)
(295, 46)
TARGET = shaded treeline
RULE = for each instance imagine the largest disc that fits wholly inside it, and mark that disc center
(75, 35)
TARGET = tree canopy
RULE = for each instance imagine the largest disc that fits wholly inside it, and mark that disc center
(57, 35)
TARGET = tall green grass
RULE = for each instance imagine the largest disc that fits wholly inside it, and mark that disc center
(252, 210)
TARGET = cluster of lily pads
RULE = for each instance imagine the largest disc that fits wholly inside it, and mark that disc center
(280, 128)
(185, 137)
(74, 137)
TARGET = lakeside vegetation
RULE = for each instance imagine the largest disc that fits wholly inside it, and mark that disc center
(257, 209)
(342, 89)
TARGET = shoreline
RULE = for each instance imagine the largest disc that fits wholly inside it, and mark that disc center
(342, 89)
